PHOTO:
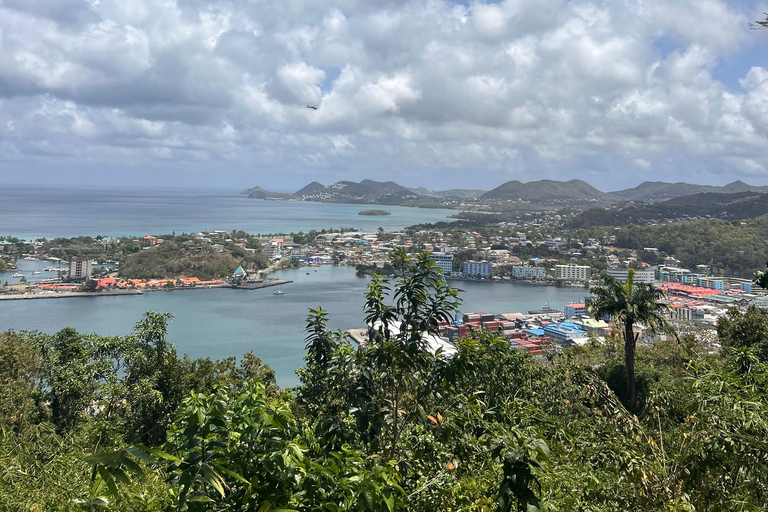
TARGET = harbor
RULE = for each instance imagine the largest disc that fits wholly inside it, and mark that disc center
(219, 322)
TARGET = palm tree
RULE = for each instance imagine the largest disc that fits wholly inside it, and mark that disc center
(629, 303)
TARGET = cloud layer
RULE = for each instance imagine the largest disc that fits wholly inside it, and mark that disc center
(426, 92)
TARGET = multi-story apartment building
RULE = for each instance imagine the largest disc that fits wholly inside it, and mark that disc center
(641, 275)
(478, 269)
(444, 262)
(80, 269)
(572, 272)
(536, 273)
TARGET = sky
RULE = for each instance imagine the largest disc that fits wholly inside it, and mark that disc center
(440, 94)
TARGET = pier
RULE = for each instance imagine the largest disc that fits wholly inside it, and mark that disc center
(263, 284)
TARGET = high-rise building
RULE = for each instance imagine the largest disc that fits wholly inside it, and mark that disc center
(80, 269)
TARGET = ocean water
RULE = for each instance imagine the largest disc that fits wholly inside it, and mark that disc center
(220, 322)
(35, 212)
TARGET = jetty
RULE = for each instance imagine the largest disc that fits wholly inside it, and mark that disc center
(257, 285)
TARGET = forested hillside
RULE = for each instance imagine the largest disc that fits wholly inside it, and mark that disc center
(111, 423)
(734, 248)
(171, 259)
(745, 205)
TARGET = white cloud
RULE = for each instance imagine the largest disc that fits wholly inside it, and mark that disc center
(481, 92)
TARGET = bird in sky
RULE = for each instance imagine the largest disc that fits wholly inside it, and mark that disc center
(313, 107)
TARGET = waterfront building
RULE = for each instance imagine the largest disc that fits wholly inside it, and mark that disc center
(572, 272)
(478, 269)
(444, 261)
(536, 273)
(80, 269)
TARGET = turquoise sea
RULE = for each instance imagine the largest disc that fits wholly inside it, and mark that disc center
(34, 212)
(218, 323)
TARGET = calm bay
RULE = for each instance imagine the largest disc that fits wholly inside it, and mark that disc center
(218, 323)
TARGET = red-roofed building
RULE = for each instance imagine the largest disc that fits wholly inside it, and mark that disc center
(575, 309)
(108, 282)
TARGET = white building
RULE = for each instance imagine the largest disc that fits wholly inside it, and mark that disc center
(572, 272)
(274, 251)
(444, 262)
(80, 269)
(641, 275)
(537, 273)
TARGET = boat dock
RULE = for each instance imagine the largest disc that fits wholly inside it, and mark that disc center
(262, 284)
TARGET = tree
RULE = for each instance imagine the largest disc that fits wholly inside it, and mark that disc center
(757, 25)
(738, 330)
(761, 278)
(627, 304)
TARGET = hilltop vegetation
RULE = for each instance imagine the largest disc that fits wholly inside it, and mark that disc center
(171, 259)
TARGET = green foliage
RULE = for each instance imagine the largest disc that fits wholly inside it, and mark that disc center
(391, 425)
(738, 330)
(240, 450)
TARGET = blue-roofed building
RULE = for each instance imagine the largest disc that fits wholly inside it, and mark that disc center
(239, 272)
(565, 331)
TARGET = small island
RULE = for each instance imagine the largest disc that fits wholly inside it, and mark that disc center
(374, 212)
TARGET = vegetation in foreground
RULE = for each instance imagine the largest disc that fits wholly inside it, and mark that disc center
(98, 423)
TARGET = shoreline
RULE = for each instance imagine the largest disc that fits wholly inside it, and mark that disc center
(69, 295)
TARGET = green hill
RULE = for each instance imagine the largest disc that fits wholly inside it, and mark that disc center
(310, 189)
(661, 191)
(544, 191)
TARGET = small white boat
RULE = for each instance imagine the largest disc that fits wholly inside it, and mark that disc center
(18, 275)
(278, 292)
(36, 272)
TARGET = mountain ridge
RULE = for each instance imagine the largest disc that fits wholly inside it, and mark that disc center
(542, 192)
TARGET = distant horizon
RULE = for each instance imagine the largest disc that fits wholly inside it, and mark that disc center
(285, 190)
